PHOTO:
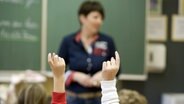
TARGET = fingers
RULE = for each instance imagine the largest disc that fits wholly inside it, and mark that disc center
(117, 58)
(62, 60)
(50, 59)
(113, 61)
(104, 65)
(53, 59)
(108, 63)
(52, 56)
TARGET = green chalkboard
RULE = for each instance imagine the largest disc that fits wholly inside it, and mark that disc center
(125, 22)
(20, 33)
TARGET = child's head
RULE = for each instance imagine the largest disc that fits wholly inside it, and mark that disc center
(131, 97)
(32, 94)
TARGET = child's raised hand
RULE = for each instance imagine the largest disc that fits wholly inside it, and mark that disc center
(57, 64)
(110, 68)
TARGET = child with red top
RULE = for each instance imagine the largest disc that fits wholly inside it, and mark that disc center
(108, 84)
(57, 64)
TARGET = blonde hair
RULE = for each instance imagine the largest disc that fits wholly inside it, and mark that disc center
(131, 97)
(32, 94)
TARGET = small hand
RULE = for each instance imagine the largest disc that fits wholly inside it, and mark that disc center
(57, 64)
(110, 68)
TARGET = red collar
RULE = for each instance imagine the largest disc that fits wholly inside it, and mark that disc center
(78, 37)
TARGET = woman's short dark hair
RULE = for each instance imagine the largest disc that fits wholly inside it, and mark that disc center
(91, 6)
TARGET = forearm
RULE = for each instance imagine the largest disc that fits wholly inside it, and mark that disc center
(59, 84)
(58, 94)
(109, 92)
(99, 76)
(96, 78)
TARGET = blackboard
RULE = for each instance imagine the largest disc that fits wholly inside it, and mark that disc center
(20, 34)
(125, 22)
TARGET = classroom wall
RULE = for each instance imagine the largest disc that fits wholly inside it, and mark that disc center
(171, 80)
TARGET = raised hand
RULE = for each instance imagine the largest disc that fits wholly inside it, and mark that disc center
(57, 64)
(110, 68)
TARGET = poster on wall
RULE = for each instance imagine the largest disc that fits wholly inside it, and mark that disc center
(157, 28)
(181, 7)
(155, 7)
(177, 28)
(156, 57)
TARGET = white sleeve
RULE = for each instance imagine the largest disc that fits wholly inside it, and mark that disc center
(67, 74)
(109, 92)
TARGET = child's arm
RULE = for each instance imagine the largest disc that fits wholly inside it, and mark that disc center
(57, 64)
(108, 85)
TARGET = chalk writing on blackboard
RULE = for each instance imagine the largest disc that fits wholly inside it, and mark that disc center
(20, 30)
